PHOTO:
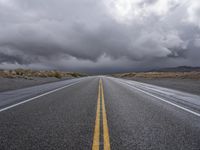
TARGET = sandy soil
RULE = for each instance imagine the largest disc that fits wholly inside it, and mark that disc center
(186, 85)
(7, 84)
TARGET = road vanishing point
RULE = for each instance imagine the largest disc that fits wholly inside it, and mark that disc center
(99, 113)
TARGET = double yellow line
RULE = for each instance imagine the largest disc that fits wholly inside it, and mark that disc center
(97, 130)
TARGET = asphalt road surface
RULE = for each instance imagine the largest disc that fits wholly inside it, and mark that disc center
(94, 113)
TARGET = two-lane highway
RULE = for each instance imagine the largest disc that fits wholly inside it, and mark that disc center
(99, 113)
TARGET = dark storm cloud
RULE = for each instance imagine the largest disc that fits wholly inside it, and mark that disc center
(11, 59)
(98, 36)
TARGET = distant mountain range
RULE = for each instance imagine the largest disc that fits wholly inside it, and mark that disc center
(177, 69)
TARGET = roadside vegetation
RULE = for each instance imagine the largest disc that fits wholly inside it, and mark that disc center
(154, 75)
(28, 74)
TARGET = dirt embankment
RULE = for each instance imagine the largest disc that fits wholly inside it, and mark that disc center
(20, 78)
(28, 74)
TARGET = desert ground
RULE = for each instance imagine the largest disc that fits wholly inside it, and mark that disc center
(183, 81)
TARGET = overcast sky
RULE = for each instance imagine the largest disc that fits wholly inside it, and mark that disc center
(99, 36)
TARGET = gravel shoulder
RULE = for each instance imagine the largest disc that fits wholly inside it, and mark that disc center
(7, 84)
(185, 85)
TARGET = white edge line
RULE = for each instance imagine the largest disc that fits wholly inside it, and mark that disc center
(183, 108)
(30, 99)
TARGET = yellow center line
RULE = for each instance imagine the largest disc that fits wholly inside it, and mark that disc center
(96, 137)
(97, 132)
(105, 123)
